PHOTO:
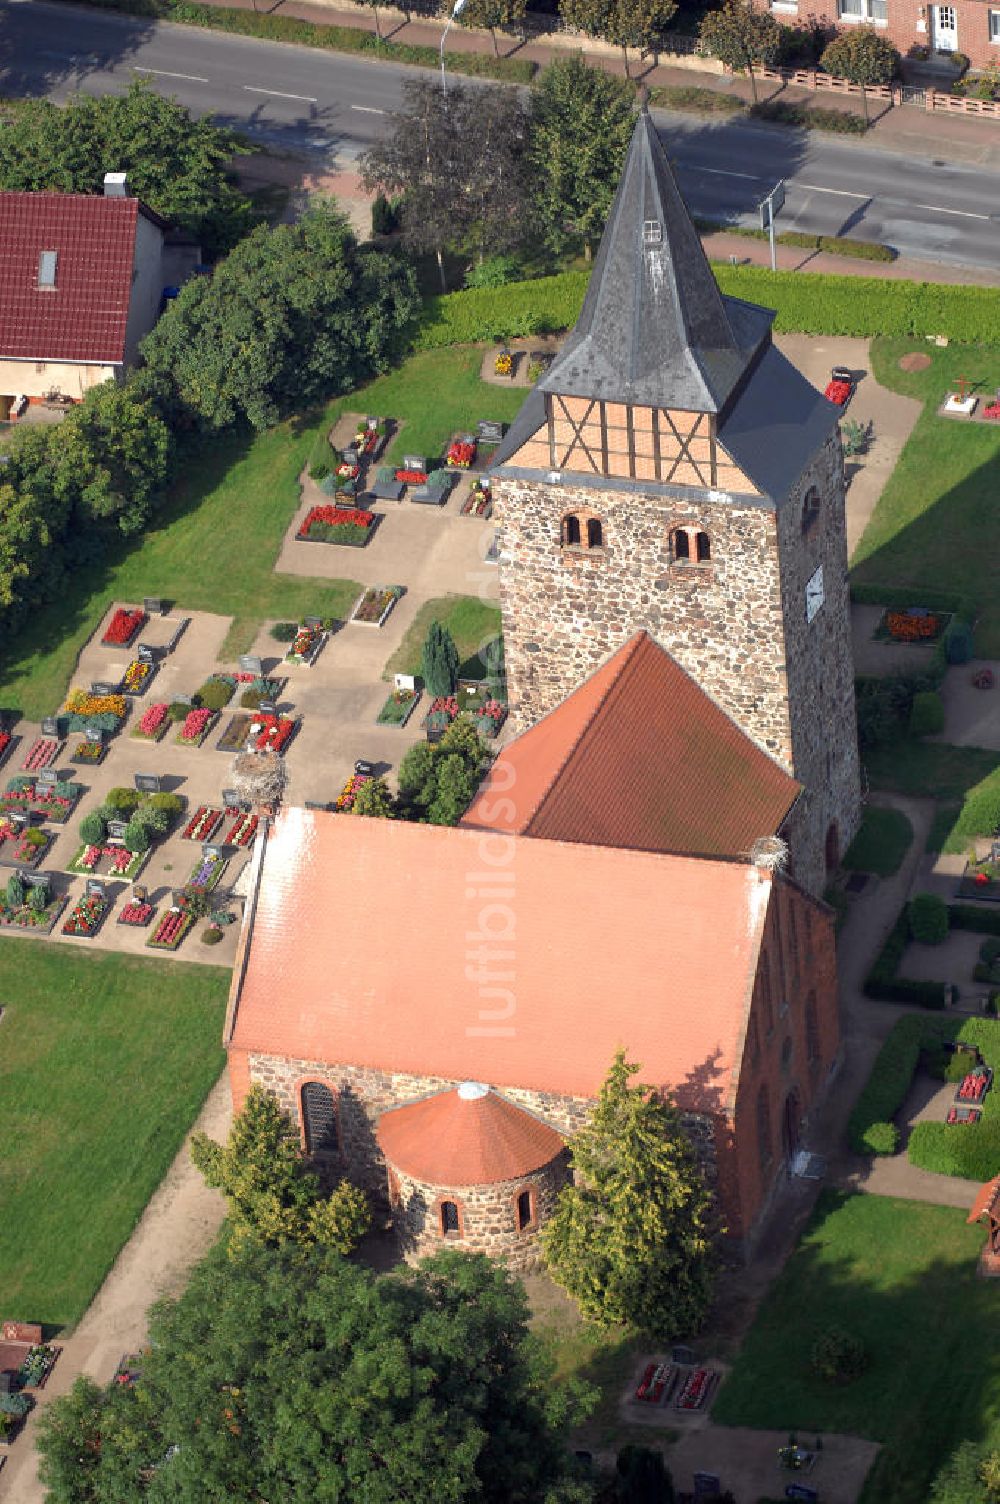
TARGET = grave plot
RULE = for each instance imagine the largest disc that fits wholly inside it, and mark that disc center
(22, 844)
(45, 795)
(89, 912)
(350, 527)
(125, 624)
(307, 643)
(30, 903)
(374, 604)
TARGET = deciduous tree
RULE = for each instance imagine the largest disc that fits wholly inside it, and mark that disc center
(293, 1375)
(581, 124)
(862, 56)
(631, 1239)
(436, 783)
(493, 15)
(622, 23)
(742, 37)
(374, 799)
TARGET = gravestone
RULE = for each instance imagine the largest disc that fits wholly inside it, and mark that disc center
(683, 1355)
(94, 734)
(315, 623)
(176, 900)
(364, 768)
(469, 686)
(18, 819)
(140, 893)
(182, 700)
(267, 707)
(47, 778)
(488, 432)
(802, 1491)
(147, 783)
(404, 681)
(251, 664)
(152, 605)
(145, 653)
(707, 1485)
(415, 462)
(104, 687)
(50, 726)
(36, 879)
(213, 851)
(230, 798)
(117, 829)
(95, 888)
(351, 456)
(371, 422)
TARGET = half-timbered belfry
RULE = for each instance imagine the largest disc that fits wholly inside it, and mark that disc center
(674, 471)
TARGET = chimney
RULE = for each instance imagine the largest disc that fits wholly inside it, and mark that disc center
(116, 185)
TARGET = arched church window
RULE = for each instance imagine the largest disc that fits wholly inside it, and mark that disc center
(319, 1119)
(764, 1145)
(595, 533)
(451, 1225)
(571, 531)
(810, 508)
(681, 545)
(704, 546)
(812, 1031)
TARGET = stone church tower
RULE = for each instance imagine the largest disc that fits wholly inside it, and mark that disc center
(674, 471)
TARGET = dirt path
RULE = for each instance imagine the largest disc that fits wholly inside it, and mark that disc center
(178, 1227)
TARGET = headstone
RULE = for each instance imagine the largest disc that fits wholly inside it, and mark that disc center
(364, 768)
(469, 686)
(415, 462)
(214, 851)
(176, 900)
(371, 422)
(50, 726)
(103, 687)
(94, 734)
(95, 888)
(251, 664)
(351, 456)
(404, 681)
(18, 819)
(315, 623)
(140, 893)
(267, 707)
(489, 432)
(47, 778)
(147, 783)
(230, 798)
(707, 1485)
(684, 1355)
(152, 605)
(182, 699)
(145, 653)
(802, 1491)
(36, 879)
(117, 829)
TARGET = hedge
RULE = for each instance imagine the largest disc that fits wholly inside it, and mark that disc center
(882, 982)
(885, 1090)
(274, 28)
(836, 245)
(809, 302)
(969, 916)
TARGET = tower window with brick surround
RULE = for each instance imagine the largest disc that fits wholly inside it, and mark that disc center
(450, 1224)
(582, 532)
(812, 1031)
(319, 1119)
(810, 508)
(703, 547)
(524, 1211)
(689, 545)
(764, 1145)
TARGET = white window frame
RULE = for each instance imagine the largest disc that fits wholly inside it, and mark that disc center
(863, 16)
(994, 26)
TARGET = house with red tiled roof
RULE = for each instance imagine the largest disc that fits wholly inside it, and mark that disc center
(568, 916)
(81, 283)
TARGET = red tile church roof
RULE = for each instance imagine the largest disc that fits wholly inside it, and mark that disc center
(83, 316)
(467, 1136)
(639, 756)
(435, 952)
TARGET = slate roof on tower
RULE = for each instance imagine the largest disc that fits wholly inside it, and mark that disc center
(640, 757)
(654, 330)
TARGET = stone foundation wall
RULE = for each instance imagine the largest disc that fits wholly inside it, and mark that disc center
(487, 1215)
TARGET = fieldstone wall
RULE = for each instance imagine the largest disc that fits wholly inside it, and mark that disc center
(363, 1094)
(487, 1214)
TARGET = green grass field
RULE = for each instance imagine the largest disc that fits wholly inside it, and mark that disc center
(213, 544)
(941, 489)
(105, 1061)
(471, 622)
(881, 843)
(901, 1275)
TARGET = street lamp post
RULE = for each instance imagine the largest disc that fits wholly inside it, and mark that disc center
(456, 11)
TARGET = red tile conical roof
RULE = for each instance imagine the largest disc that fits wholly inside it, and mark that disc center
(466, 1136)
(637, 757)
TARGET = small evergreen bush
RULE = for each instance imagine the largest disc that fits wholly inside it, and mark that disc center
(122, 798)
(137, 837)
(928, 916)
(177, 711)
(215, 693)
(93, 829)
(838, 1357)
(172, 804)
(38, 897)
(211, 936)
(881, 1138)
(284, 631)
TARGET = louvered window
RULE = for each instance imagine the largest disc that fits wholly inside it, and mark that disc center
(319, 1118)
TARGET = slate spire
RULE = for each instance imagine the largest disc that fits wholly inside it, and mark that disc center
(654, 330)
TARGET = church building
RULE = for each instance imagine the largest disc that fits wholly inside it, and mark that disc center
(437, 1008)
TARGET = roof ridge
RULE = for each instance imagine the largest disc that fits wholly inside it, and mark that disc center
(628, 650)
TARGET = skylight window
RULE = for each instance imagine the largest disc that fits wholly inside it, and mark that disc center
(47, 268)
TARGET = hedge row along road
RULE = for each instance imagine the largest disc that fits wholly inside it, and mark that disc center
(335, 104)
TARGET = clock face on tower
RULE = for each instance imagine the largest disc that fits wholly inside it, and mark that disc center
(814, 593)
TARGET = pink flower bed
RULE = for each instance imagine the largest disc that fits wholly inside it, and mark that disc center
(203, 824)
(152, 720)
(41, 754)
(118, 858)
(195, 725)
(136, 913)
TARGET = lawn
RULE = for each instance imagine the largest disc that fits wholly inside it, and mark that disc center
(902, 1276)
(105, 1061)
(942, 487)
(881, 843)
(929, 769)
(213, 544)
(472, 623)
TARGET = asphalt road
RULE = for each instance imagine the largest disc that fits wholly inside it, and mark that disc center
(334, 105)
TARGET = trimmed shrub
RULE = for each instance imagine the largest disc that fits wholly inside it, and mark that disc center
(926, 714)
(215, 693)
(989, 951)
(885, 1090)
(137, 837)
(15, 890)
(284, 631)
(882, 983)
(121, 798)
(880, 1138)
(176, 711)
(966, 916)
(958, 642)
(34, 837)
(172, 804)
(155, 820)
(93, 829)
(38, 897)
(838, 1357)
(928, 918)
(211, 936)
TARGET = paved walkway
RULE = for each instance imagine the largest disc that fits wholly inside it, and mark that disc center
(178, 1227)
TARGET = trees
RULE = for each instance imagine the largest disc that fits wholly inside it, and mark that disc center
(643, 1477)
(458, 161)
(110, 459)
(176, 164)
(273, 1197)
(581, 124)
(622, 23)
(492, 14)
(375, 800)
(295, 1375)
(436, 783)
(496, 669)
(439, 660)
(862, 56)
(292, 315)
(631, 1241)
(741, 37)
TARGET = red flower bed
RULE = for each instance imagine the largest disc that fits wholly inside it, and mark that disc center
(86, 916)
(272, 733)
(969, 1115)
(42, 752)
(136, 913)
(243, 829)
(203, 824)
(412, 477)
(992, 410)
(460, 455)
(152, 719)
(4, 742)
(838, 392)
(695, 1390)
(170, 931)
(906, 627)
(336, 517)
(123, 626)
(975, 1086)
(653, 1383)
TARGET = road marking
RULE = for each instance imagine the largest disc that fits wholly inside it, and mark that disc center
(718, 172)
(367, 109)
(277, 94)
(839, 192)
(962, 213)
(191, 78)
